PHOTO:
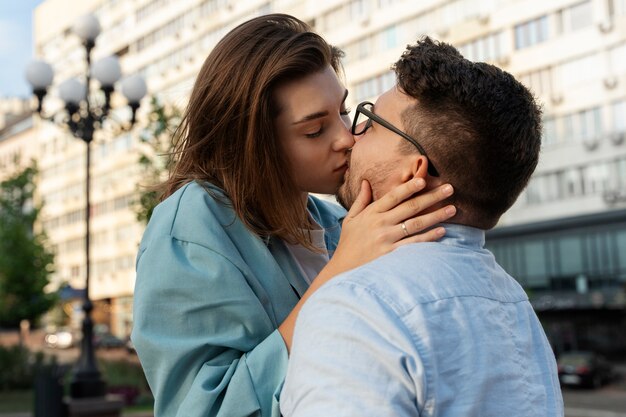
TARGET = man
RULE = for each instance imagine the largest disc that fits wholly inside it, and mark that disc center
(432, 329)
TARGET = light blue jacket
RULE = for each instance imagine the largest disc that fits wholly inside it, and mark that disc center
(209, 298)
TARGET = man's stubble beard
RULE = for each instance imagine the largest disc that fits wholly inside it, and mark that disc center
(376, 176)
(345, 195)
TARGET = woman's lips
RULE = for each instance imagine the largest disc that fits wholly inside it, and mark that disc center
(342, 167)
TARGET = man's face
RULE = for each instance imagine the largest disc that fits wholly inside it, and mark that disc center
(375, 155)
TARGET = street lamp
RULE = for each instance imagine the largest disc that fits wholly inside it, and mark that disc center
(82, 117)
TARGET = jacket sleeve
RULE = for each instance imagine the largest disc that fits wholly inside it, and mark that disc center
(351, 358)
(207, 345)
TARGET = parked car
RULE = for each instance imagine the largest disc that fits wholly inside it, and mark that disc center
(584, 368)
(60, 339)
(107, 341)
(130, 346)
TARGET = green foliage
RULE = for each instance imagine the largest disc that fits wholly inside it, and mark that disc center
(13, 402)
(123, 372)
(126, 378)
(25, 261)
(18, 367)
(157, 158)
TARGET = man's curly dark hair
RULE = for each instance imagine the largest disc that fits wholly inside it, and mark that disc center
(480, 127)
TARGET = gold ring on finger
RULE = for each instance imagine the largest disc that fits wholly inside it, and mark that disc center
(406, 232)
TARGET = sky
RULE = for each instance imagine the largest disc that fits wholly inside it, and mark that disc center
(16, 45)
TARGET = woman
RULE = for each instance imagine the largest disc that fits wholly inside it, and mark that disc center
(230, 255)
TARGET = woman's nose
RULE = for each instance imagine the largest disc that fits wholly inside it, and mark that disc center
(345, 140)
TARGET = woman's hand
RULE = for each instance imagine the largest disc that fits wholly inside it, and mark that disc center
(372, 230)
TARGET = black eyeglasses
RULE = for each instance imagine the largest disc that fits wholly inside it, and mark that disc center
(363, 121)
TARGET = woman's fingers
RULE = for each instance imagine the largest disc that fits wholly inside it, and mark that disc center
(419, 203)
(420, 223)
(430, 236)
(398, 194)
(362, 200)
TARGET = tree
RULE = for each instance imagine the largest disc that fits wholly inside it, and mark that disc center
(25, 261)
(157, 158)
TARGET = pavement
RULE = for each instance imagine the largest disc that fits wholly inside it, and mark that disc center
(582, 412)
(131, 414)
(609, 401)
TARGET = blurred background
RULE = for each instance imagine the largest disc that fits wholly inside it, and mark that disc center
(564, 240)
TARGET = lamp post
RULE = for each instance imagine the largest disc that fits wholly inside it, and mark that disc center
(82, 116)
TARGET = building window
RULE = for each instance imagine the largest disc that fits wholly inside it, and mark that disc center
(208, 7)
(618, 110)
(539, 81)
(590, 124)
(620, 175)
(535, 256)
(389, 38)
(571, 183)
(363, 48)
(531, 33)
(617, 7)
(570, 251)
(549, 132)
(487, 48)
(75, 271)
(418, 25)
(460, 10)
(149, 9)
(335, 18)
(596, 179)
(581, 70)
(575, 182)
(373, 87)
(585, 125)
(358, 8)
(575, 17)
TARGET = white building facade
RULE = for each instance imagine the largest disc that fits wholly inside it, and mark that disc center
(571, 53)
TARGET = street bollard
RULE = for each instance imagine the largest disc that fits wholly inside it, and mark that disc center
(49, 391)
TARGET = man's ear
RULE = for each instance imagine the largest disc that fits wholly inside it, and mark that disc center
(421, 169)
(418, 167)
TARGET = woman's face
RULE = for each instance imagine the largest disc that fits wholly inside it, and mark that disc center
(313, 128)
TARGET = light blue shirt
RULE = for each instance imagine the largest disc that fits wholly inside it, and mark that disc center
(431, 329)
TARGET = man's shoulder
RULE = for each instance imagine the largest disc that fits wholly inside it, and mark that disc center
(416, 265)
(424, 273)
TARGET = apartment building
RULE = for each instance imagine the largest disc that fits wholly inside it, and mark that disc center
(16, 136)
(564, 239)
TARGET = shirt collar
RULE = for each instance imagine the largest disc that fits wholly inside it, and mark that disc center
(461, 235)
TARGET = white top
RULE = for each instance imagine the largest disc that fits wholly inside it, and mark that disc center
(309, 262)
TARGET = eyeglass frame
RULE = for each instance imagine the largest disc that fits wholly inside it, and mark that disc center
(360, 108)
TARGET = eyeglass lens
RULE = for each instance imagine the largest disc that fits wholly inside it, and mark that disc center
(362, 122)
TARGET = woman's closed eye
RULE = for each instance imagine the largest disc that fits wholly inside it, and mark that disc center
(316, 134)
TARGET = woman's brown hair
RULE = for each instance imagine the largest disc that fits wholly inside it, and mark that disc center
(227, 134)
